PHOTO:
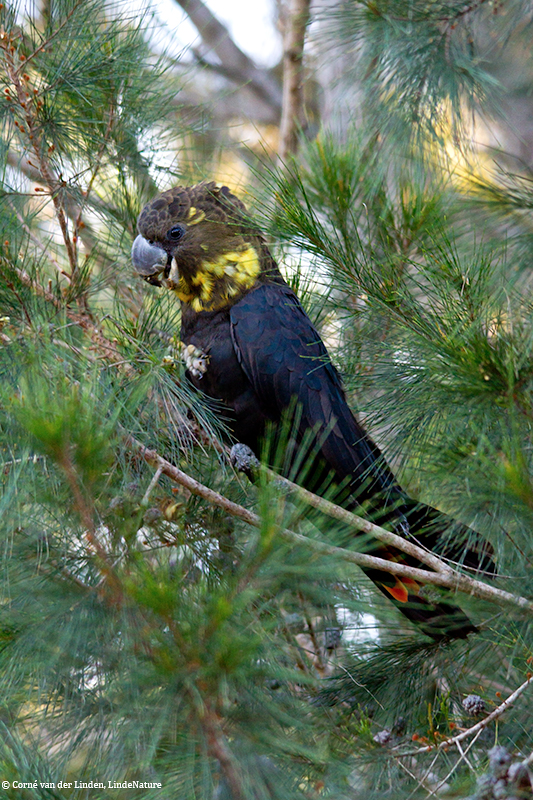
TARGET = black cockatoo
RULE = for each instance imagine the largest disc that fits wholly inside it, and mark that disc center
(248, 343)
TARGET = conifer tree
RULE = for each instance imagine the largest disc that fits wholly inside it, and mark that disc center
(170, 629)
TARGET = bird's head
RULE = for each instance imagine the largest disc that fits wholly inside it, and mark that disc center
(198, 241)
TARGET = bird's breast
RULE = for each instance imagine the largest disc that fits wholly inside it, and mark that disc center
(217, 373)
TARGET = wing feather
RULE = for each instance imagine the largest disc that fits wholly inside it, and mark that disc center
(286, 361)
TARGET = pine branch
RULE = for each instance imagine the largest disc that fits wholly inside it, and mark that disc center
(28, 106)
(218, 748)
(107, 348)
(78, 223)
(447, 578)
(478, 727)
(37, 242)
(359, 523)
(463, 12)
(72, 209)
(56, 33)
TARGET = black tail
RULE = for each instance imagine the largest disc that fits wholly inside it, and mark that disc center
(444, 536)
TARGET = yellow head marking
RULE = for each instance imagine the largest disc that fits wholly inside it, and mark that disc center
(194, 217)
(243, 267)
(199, 278)
(184, 291)
(216, 268)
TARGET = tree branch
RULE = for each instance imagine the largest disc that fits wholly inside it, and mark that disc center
(37, 242)
(107, 348)
(28, 109)
(361, 524)
(447, 578)
(475, 728)
(72, 209)
(292, 110)
(238, 65)
(218, 748)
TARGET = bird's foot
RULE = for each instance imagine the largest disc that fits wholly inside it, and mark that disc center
(243, 459)
(195, 361)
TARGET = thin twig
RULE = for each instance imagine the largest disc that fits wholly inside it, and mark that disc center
(463, 754)
(318, 661)
(53, 36)
(360, 524)
(32, 130)
(72, 208)
(153, 483)
(467, 9)
(37, 242)
(86, 323)
(479, 726)
(98, 163)
(348, 517)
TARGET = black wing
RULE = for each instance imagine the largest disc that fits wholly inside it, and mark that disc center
(284, 359)
(286, 362)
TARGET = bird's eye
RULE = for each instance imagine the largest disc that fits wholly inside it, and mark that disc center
(175, 233)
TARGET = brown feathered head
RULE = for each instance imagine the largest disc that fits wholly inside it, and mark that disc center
(200, 243)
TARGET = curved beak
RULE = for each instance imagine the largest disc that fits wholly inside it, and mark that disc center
(149, 260)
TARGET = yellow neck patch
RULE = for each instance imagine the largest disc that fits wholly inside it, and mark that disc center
(217, 283)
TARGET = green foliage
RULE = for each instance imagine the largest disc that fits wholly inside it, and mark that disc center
(148, 635)
(423, 62)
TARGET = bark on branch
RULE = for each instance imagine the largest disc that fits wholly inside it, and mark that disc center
(292, 113)
(239, 67)
(448, 578)
(477, 728)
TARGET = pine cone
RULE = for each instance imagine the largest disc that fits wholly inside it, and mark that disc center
(474, 705)
(332, 638)
(383, 737)
(499, 760)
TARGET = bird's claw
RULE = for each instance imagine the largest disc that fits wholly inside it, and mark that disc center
(195, 361)
(243, 459)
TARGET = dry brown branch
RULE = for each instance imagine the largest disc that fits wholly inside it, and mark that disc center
(239, 67)
(478, 727)
(218, 748)
(348, 517)
(27, 108)
(293, 47)
(448, 578)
